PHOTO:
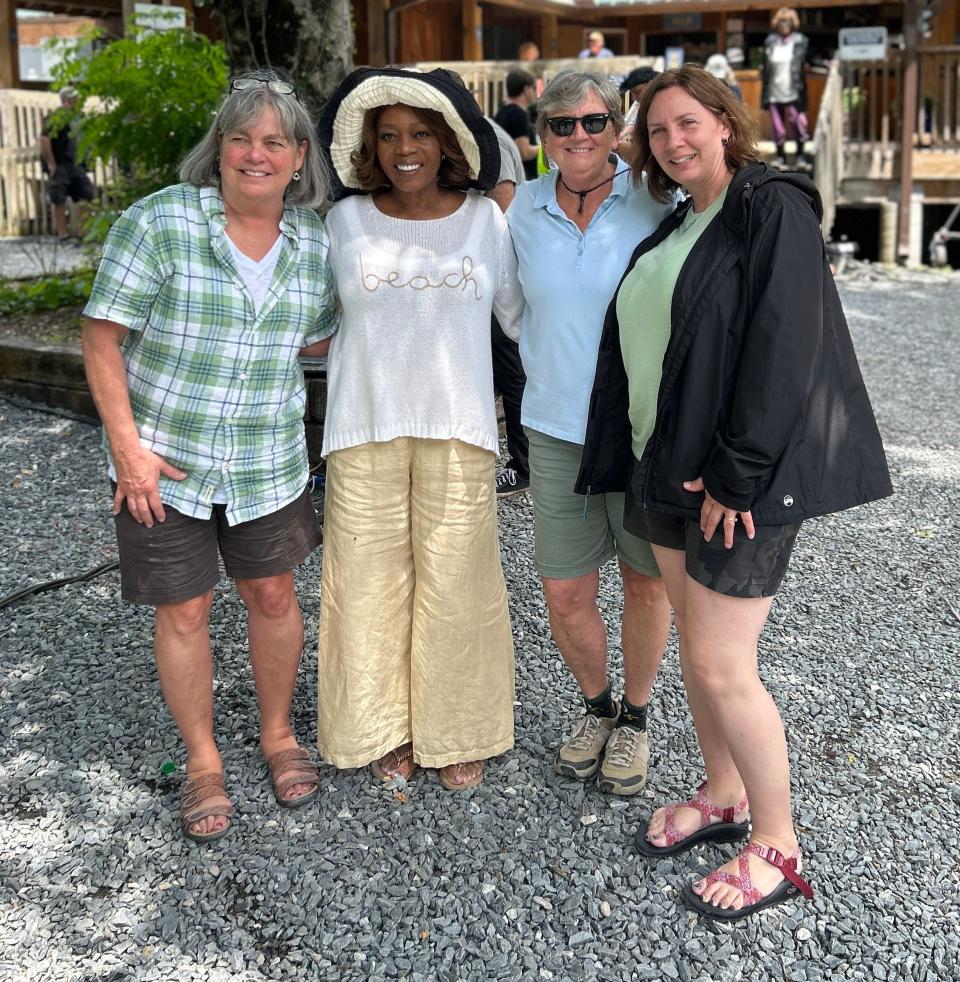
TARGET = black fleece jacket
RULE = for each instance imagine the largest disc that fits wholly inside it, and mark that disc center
(761, 394)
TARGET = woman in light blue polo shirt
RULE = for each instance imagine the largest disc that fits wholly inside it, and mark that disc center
(574, 230)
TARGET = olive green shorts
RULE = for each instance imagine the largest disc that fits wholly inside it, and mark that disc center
(576, 534)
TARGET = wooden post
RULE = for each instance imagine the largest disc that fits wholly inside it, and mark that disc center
(9, 56)
(376, 32)
(911, 10)
(549, 42)
(472, 19)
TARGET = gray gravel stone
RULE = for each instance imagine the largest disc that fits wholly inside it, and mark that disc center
(861, 652)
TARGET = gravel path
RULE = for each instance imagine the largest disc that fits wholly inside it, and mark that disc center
(39, 255)
(527, 876)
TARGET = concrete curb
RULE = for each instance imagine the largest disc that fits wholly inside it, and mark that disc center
(46, 373)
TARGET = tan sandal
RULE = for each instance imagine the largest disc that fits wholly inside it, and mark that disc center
(202, 797)
(393, 765)
(289, 768)
(453, 770)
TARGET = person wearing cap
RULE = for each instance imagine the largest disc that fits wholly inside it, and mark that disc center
(634, 84)
(596, 47)
(574, 230)
(58, 155)
(718, 66)
(205, 294)
(415, 659)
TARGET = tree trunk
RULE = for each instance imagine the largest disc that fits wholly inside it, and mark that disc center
(311, 40)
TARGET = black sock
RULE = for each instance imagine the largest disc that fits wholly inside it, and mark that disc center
(630, 715)
(601, 705)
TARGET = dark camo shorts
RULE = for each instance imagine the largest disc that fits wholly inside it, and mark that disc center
(752, 568)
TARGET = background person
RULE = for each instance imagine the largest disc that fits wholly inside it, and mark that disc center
(596, 47)
(728, 399)
(718, 66)
(784, 84)
(67, 178)
(514, 117)
(508, 379)
(574, 230)
(416, 653)
(634, 84)
(205, 295)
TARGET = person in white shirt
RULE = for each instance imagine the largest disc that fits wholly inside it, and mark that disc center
(784, 86)
(416, 660)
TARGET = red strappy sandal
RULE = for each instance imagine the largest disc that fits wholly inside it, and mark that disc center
(754, 900)
(726, 830)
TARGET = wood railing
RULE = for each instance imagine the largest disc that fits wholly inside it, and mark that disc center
(487, 79)
(828, 150)
(872, 97)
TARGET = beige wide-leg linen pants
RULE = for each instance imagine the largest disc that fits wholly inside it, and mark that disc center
(415, 638)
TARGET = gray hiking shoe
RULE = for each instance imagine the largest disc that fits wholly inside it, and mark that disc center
(580, 756)
(625, 762)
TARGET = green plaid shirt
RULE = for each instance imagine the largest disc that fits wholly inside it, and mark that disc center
(216, 388)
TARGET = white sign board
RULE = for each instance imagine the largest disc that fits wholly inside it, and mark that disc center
(863, 43)
(157, 17)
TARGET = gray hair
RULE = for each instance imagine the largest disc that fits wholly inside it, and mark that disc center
(201, 167)
(569, 88)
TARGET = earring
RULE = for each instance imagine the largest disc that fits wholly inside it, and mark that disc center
(296, 175)
(724, 140)
(443, 157)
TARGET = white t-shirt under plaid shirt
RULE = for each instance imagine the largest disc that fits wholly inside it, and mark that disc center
(215, 384)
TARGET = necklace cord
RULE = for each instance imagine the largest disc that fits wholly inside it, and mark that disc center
(583, 194)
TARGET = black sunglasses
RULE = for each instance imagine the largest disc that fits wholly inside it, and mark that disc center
(277, 85)
(592, 123)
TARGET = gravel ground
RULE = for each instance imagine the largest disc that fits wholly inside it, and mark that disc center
(527, 876)
(37, 255)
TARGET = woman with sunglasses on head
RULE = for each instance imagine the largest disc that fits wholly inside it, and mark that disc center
(729, 402)
(206, 293)
(574, 230)
(415, 658)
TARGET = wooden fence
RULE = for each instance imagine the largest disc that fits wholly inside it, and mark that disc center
(24, 209)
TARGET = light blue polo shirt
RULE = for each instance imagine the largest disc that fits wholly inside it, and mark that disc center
(568, 280)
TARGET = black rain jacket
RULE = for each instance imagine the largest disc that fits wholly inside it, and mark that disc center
(761, 394)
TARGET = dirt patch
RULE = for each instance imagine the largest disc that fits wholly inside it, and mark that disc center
(47, 327)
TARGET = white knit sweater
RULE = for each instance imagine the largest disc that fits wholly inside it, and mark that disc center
(412, 355)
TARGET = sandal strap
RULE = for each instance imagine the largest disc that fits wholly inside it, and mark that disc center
(701, 804)
(199, 793)
(741, 880)
(291, 767)
(786, 864)
(707, 811)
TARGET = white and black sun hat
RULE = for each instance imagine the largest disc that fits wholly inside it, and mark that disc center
(341, 122)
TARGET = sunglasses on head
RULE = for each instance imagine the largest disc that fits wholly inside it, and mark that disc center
(592, 123)
(277, 85)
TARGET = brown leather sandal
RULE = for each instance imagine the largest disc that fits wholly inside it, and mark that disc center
(203, 797)
(289, 768)
(398, 762)
(452, 770)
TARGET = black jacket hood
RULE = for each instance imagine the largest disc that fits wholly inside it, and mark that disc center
(758, 176)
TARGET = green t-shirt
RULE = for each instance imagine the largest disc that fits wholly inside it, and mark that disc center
(643, 310)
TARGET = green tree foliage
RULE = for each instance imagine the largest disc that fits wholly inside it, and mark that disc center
(158, 92)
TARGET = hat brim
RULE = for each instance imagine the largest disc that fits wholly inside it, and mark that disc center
(340, 127)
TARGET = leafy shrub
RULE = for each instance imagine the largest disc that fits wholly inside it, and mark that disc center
(159, 91)
(45, 293)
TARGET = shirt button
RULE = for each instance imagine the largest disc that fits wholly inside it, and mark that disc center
(237, 414)
(243, 376)
(225, 468)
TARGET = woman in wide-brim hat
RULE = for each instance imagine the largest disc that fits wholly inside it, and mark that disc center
(416, 652)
